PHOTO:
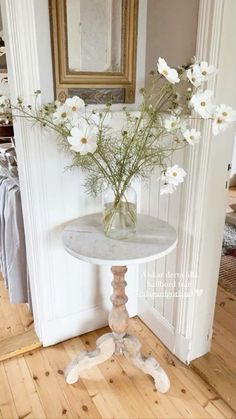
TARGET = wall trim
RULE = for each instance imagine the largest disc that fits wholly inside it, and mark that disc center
(24, 78)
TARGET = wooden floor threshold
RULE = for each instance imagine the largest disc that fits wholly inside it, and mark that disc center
(18, 345)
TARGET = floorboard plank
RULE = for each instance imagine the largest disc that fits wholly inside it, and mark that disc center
(226, 300)
(7, 405)
(77, 396)
(54, 402)
(108, 404)
(18, 344)
(216, 372)
(225, 319)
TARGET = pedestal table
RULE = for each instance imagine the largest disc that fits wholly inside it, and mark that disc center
(85, 240)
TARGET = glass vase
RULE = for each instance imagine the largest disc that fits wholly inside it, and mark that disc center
(119, 213)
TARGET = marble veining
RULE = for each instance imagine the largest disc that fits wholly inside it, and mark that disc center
(84, 239)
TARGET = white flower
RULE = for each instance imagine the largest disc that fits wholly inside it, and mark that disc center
(83, 140)
(192, 136)
(4, 89)
(223, 116)
(75, 104)
(75, 107)
(167, 188)
(226, 112)
(169, 73)
(61, 114)
(199, 73)
(3, 100)
(174, 175)
(202, 104)
(194, 75)
(171, 123)
(207, 69)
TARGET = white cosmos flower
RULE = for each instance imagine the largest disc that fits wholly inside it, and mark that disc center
(199, 73)
(4, 89)
(75, 104)
(3, 100)
(226, 112)
(223, 116)
(61, 114)
(194, 75)
(174, 175)
(83, 140)
(202, 104)
(172, 123)
(167, 188)
(169, 73)
(75, 107)
(192, 136)
(207, 69)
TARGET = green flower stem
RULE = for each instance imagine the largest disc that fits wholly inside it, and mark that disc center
(129, 147)
(110, 170)
(106, 175)
(41, 120)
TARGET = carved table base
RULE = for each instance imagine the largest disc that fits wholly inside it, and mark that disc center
(118, 342)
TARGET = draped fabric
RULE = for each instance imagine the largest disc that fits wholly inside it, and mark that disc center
(13, 262)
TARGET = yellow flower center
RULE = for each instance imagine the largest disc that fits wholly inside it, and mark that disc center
(73, 108)
(224, 113)
(173, 124)
(191, 137)
(203, 103)
(174, 173)
(64, 115)
(219, 121)
(165, 72)
(83, 140)
(204, 73)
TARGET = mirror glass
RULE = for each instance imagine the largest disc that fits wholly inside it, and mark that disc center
(94, 35)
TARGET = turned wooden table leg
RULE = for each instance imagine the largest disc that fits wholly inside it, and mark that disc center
(118, 341)
(118, 317)
(130, 345)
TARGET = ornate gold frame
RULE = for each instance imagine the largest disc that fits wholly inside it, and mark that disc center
(94, 87)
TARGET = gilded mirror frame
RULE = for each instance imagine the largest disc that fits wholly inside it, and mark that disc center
(94, 87)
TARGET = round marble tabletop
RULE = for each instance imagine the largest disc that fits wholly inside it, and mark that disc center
(85, 240)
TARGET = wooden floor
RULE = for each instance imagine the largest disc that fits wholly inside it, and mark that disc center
(231, 198)
(16, 327)
(218, 367)
(33, 385)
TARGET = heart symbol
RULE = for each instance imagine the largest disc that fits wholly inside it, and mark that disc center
(199, 292)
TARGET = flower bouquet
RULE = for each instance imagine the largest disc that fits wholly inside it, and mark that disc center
(113, 158)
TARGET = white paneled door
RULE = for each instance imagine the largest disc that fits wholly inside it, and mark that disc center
(177, 294)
